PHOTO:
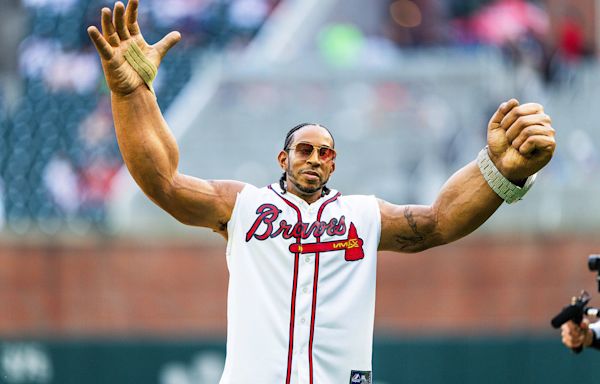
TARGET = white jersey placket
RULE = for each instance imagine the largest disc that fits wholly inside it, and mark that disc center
(304, 298)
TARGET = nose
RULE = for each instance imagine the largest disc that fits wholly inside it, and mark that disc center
(314, 157)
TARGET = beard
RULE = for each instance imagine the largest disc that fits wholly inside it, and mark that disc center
(308, 189)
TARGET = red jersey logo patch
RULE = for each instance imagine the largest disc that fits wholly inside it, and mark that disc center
(353, 246)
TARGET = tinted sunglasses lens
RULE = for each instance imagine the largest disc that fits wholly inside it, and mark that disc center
(326, 153)
(304, 150)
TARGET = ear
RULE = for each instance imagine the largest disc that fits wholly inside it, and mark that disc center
(332, 166)
(282, 158)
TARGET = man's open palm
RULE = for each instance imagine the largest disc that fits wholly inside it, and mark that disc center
(120, 29)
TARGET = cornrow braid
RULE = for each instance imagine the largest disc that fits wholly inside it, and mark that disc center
(290, 134)
(282, 183)
(286, 147)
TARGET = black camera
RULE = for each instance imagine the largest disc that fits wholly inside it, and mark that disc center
(578, 307)
(594, 262)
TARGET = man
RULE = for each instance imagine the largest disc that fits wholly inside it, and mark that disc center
(584, 335)
(301, 257)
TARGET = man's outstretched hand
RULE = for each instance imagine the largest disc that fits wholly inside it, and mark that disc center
(120, 29)
(520, 139)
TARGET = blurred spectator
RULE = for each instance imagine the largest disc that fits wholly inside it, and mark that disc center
(58, 6)
(170, 13)
(61, 182)
(96, 139)
(507, 21)
(572, 42)
(72, 71)
(96, 131)
(34, 54)
(95, 185)
(248, 14)
(418, 23)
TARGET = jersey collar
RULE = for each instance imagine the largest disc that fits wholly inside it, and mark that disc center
(298, 200)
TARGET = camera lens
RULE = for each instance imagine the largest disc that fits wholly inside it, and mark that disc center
(594, 262)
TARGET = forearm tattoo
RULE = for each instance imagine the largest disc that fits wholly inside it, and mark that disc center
(414, 240)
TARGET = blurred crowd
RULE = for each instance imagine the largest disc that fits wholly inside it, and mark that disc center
(551, 37)
(58, 151)
(547, 46)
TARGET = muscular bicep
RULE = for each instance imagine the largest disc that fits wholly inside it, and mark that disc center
(408, 228)
(203, 203)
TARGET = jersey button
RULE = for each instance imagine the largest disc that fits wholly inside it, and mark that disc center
(305, 289)
(303, 320)
(307, 259)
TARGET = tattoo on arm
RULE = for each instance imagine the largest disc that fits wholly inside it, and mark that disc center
(414, 240)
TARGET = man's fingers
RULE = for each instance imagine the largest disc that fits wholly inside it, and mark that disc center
(572, 335)
(524, 121)
(532, 130)
(503, 109)
(546, 144)
(167, 43)
(569, 341)
(119, 21)
(108, 29)
(521, 110)
(104, 49)
(585, 324)
(131, 13)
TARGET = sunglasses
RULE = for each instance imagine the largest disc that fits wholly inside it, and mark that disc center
(305, 151)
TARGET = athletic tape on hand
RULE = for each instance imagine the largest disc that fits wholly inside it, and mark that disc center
(136, 58)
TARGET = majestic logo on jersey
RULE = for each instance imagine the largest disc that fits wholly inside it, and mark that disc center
(360, 377)
(265, 226)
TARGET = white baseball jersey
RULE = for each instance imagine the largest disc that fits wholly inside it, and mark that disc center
(301, 297)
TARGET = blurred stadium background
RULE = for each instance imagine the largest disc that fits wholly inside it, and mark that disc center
(99, 286)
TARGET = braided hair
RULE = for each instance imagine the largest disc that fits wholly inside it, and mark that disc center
(286, 147)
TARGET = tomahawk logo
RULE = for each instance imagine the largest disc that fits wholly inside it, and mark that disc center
(352, 246)
(360, 377)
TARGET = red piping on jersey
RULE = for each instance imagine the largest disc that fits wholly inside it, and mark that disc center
(314, 298)
(294, 287)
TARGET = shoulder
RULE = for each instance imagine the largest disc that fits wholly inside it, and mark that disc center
(250, 195)
(252, 190)
(363, 205)
(358, 200)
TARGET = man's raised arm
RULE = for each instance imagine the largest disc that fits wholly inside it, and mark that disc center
(146, 143)
(520, 143)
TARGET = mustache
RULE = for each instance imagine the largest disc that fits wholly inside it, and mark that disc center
(310, 172)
